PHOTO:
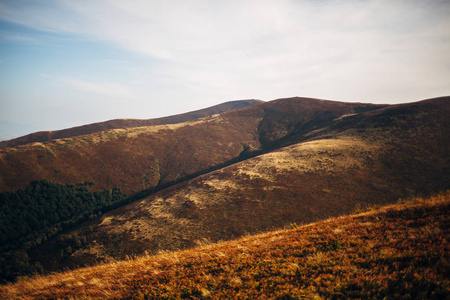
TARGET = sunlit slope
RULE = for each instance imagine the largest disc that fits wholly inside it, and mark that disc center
(300, 183)
(142, 158)
(338, 169)
(400, 251)
(44, 136)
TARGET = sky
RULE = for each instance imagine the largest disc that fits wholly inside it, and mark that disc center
(65, 63)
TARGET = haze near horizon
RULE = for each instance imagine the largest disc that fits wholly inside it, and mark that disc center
(68, 63)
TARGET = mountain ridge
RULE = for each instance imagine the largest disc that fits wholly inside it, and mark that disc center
(44, 136)
(162, 148)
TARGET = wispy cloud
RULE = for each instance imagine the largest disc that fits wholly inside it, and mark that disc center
(112, 89)
(16, 37)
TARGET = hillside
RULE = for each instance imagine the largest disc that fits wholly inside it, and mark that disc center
(44, 136)
(383, 155)
(399, 251)
(148, 157)
(118, 166)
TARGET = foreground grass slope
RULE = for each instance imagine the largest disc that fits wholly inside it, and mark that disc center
(397, 251)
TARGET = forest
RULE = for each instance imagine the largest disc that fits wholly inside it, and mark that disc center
(38, 212)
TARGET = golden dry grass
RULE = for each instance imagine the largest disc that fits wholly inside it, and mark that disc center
(398, 251)
(163, 218)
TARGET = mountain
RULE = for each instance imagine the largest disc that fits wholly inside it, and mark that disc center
(397, 251)
(150, 157)
(292, 160)
(44, 136)
(317, 159)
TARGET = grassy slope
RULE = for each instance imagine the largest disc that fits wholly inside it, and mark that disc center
(131, 159)
(397, 251)
(299, 184)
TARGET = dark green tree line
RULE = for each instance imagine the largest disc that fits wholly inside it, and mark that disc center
(31, 215)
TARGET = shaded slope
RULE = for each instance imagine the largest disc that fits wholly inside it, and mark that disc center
(339, 168)
(44, 136)
(400, 251)
(143, 158)
(286, 118)
(417, 142)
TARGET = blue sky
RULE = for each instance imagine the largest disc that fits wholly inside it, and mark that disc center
(65, 63)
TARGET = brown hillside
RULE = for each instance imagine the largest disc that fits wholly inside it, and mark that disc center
(397, 252)
(387, 154)
(44, 136)
(140, 158)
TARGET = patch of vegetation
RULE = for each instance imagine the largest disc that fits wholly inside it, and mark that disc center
(32, 215)
(400, 251)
